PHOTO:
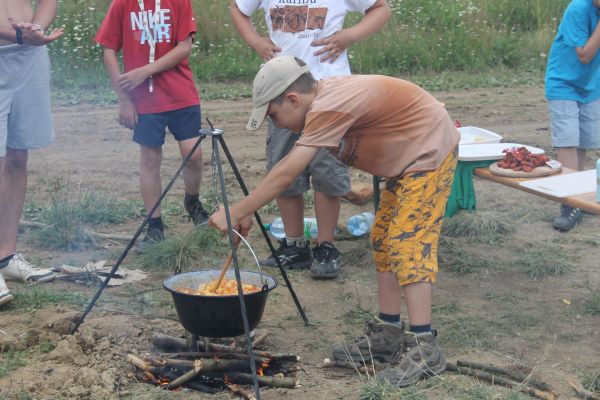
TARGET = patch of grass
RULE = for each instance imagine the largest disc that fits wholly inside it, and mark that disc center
(592, 305)
(454, 257)
(374, 390)
(544, 258)
(71, 209)
(12, 360)
(358, 316)
(489, 226)
(591, 380)
(36, 297)
(460, 332)
(200, 248)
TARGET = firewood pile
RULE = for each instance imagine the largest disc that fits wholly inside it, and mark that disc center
(213, 367)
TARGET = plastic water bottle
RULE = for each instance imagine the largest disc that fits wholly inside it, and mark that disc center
(598, 181)
(360, 224)
(277, 230)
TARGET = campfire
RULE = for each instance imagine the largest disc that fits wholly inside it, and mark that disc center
(211, 367)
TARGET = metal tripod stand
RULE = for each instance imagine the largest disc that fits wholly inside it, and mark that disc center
(217, 139)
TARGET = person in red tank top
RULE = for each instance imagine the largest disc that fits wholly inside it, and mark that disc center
(156, 90)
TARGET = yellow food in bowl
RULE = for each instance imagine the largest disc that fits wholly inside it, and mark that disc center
(226, 288)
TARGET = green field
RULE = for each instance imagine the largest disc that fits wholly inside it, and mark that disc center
(423, 37)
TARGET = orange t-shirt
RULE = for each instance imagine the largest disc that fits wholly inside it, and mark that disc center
(385, 126)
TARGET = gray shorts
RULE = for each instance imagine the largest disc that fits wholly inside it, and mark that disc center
(575, 124)
(328, 174)
(25, 116)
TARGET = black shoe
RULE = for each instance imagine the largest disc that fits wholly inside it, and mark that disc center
(567, 219)
(290, 257)
(325, 261)
(196, 212)
(153, 236)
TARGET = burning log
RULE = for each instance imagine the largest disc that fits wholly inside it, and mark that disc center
(170, 344)
(240, 391)
(270, 381)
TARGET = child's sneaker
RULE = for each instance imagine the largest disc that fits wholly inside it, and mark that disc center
(196, 212)
(20, 270)
(290, 257)
(421, 357)
(5, 295)
(383, 342)
(325, 261)
(568, 218)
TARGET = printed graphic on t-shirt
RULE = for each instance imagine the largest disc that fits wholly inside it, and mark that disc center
(158, 22)
(296, 19)
(346, 152)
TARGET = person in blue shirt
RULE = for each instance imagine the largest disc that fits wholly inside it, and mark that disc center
(573, 92)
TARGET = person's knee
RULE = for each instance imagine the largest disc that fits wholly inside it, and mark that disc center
(15, 161)
(150, 158)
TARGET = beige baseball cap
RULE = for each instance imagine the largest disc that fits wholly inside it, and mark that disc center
(272, 79)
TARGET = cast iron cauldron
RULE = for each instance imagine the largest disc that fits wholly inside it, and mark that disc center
(218, 316)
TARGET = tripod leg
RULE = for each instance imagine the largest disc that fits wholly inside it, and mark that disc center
(238, 176)
(135, 236)
(215, 146)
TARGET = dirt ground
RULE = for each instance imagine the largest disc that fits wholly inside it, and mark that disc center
(497, 315)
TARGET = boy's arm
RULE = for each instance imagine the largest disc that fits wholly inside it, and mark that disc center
(375, 17)
(589, 50)
(127, 113)
(279, 179)
(135, 77)
(263, 46)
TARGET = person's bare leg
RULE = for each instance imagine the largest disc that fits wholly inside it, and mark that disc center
(292, 214)
(570, 157)
(327, 211)
(418, 303)
(150, 160)
(389, 293)
(192, 171)
(13, 183)
(580, 159)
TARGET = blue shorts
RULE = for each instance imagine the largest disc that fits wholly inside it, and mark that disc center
(575, 124)
(183, 124)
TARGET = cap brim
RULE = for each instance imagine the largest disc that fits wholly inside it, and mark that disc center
(257, 117)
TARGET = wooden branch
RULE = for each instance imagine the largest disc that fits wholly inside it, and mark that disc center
(240, 391)
(583, 393)
(205, 364)
(516, 375)
(33, 224)
(260, 339)
(191, 355)
(494, 379)
(188, 376)
(271, 381)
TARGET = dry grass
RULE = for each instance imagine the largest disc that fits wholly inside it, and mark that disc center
(480, 224)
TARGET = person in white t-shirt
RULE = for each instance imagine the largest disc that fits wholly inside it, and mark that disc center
(311, 30)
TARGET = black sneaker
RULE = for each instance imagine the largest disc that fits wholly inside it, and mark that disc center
(196, 212)
(326, 260)
(153, 236)
(567, 219)
(290, 257)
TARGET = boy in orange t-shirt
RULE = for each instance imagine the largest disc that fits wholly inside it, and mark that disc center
(390, 128)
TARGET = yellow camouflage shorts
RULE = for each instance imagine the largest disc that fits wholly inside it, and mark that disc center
(408, 223)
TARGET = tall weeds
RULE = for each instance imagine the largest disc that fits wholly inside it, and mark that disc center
(422, 35)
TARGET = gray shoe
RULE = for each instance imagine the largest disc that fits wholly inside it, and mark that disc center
(421, 357)
(567, 219)
(325, 264)
(383, 342)
(152, 237)
(5, 295)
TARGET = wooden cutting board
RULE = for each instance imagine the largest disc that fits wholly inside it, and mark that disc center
(535, 173)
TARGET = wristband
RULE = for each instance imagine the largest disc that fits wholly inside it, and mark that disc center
(19, 33)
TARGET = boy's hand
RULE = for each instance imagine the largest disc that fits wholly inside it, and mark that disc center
(132, 79)
(128, 115)
(266, 49)
(219, 221)
(34, 34)
(333, 46)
